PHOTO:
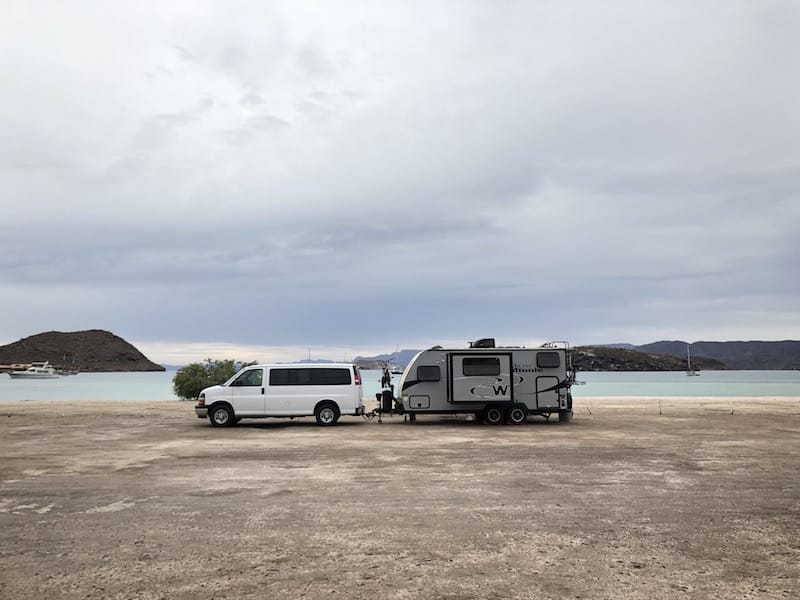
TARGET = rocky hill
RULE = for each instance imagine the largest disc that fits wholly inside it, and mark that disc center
(585, 358)
(756, 355)
(400, 358)
(94, 351)
(605, 358)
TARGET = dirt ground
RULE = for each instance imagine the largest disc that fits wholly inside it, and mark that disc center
(144, 500)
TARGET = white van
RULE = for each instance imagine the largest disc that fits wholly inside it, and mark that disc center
(325, 391)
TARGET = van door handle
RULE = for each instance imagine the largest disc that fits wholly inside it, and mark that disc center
(262, 391)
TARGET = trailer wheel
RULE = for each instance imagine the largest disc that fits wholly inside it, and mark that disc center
(517, 414)
(494, 415)
(326, 413)
(564, 416)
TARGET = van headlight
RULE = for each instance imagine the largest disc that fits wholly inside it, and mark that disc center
(202, 400)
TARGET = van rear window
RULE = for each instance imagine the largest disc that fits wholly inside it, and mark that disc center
(303, 376)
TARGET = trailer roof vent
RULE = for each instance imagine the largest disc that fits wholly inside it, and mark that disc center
(482, 343)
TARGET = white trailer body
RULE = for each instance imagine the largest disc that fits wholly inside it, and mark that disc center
(493, 383)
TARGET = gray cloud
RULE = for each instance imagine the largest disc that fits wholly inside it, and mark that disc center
(597, 172)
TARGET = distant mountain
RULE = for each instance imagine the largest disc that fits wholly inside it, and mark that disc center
(607, 358)
(658, 356)
(94, 350)
(620, 346)
(585, 358)
(755, 355)
(401, 358)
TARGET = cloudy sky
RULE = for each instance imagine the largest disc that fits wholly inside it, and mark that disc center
(261, 180)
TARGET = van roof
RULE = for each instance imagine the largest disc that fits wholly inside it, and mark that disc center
(305, 365)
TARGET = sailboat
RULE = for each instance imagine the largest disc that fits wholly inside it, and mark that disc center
(689, 370)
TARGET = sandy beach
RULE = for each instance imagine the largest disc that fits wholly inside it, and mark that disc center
(144, 500)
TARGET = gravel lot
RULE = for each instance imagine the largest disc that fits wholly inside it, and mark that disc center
(144, 500)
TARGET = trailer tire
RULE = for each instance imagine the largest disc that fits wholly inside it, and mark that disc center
(221, 415)
(564, 416)
(494, 415)
(517, 414)
(326, 413)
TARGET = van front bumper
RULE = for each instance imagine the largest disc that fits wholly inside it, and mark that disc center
(201, 411)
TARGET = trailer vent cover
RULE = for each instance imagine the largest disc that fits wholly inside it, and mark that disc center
(482, 343)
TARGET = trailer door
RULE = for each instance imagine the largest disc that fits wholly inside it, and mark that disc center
(550, 364)
(547, 392)
(480, 377)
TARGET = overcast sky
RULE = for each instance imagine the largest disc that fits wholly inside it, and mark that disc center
(261, 180)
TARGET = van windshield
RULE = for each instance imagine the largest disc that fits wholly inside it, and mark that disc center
(250, 378)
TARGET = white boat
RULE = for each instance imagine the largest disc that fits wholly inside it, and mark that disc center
(37, 370)
(689, 370)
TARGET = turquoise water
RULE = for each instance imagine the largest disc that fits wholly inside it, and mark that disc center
(90, 386)
(158, 386)
(677, 383)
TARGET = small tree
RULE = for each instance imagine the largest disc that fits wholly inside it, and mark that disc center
(194, 378)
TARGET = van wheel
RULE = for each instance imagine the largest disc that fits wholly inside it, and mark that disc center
(327, 413)
(494, 415)
(517, 414)
(565, 416)
(221, 416)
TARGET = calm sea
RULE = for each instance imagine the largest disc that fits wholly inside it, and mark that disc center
(158, 386)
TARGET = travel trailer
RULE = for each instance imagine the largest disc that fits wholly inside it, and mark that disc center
(496, 384)
(326, 391)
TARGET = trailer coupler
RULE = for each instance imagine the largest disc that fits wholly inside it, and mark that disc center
(387, 405)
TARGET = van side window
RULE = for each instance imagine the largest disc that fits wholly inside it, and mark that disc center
(305, 376)
(481, 365)
(253, 377)
(330, 376)
(428, 373)
(548, 360)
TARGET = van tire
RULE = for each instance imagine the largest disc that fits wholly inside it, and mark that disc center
(221, 415)
(326, 413)
(565, 416)
(494, 415)
(517, 414)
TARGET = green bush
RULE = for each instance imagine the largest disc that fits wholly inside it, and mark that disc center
(194, 378)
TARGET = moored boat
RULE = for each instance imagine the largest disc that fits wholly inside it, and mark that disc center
(690, 371)
(37, 370)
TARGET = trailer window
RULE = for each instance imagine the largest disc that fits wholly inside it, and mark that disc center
(428, 373)
(474, 365)
(548, 360)
(305, 376)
